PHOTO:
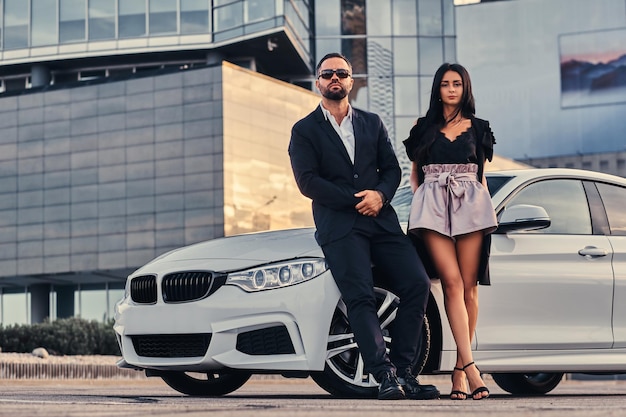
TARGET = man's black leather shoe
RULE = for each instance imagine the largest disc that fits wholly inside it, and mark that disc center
(390, 388)
(416, 391)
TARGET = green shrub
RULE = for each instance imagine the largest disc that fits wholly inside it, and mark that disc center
(71, 336)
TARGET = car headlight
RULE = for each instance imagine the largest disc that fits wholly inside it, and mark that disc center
(278, 275)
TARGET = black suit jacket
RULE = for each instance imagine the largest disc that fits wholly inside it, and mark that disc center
(324, 172)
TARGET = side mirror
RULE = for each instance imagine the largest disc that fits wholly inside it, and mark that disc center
(523, 217)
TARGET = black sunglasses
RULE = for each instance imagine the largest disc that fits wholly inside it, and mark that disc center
(327, 74)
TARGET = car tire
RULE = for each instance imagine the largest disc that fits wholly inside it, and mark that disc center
(343, 374)
(204, 384)
(528, 384)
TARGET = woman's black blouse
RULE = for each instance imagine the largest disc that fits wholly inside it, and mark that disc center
(444, 151)
(461, 150)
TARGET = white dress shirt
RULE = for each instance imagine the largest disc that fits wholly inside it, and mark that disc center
(345, 130)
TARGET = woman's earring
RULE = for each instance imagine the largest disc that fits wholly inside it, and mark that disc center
(440, 99)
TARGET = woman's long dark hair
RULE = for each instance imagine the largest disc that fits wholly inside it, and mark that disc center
(435, 119)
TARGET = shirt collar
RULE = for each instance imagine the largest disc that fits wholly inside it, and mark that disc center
(327, 114)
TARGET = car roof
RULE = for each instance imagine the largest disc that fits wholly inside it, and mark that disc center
(537, 173)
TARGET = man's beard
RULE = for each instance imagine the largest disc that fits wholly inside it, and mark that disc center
(335, 94)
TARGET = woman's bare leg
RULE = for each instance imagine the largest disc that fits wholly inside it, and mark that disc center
(468, 254)
(444, 255)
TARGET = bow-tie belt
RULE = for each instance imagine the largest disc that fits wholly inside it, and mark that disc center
(450, 180)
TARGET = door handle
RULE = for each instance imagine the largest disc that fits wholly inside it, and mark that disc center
(592, 252)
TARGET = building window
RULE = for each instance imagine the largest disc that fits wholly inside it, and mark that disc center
(72, 20)
(194, 16)
(15, 306)
(101, 19)
(163, 16)
(257, 10)
(43, 23)
(604, 166)
(353, 24)
(430, 19)
(91, 75)
(132, 19)
(405, 17)
(229, 16)
(14, 84)
(15, 24)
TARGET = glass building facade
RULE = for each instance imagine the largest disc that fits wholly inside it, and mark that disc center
(125, 134)
(395, 47)
(35, 23)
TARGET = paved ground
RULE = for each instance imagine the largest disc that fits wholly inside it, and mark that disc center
(278, 397)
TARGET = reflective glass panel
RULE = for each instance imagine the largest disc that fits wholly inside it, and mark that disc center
(259, 10)
(229, 16)
(353, 17)
(327, 14)
(43, 26)
(15, 308)
(15, 24)
(163, 16)
(613, 198)
(406, 94)
(72, 20)
(404, 17)
(194, 16)
(430, 54)
(101, 19)
(132, 18)
(92, 303)
(405, 56)
(566, 204)
(378, 18)
(259, 190)
(429, 15)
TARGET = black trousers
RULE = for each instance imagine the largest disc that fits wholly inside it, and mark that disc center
(350, 260)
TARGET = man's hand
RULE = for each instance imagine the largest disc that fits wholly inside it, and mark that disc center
(371, 202)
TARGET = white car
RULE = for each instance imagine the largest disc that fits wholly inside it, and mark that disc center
(207, 316)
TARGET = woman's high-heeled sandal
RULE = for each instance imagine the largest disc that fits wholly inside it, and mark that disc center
(460, 395)
(479, 389)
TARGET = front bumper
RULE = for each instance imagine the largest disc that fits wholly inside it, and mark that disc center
(242, 330)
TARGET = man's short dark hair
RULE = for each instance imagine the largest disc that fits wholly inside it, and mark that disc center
(331, 55)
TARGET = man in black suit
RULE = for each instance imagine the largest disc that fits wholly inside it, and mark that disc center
(343, 160)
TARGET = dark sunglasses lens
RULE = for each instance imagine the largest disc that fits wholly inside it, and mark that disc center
(328, 74)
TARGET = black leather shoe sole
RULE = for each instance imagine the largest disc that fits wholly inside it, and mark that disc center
(391, 394)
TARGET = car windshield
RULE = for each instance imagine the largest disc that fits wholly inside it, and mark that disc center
(401, 202)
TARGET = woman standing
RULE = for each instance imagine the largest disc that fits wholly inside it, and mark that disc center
(451, 212)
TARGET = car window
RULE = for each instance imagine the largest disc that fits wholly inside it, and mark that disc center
(614, 198)
(564, 200)
(401, 202)
(495, 182)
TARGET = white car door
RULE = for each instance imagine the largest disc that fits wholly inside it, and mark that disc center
(550, 288)
(614, 198)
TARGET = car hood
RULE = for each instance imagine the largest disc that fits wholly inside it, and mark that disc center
(240, 251)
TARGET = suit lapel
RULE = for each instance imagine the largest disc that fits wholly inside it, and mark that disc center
(332, 135)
